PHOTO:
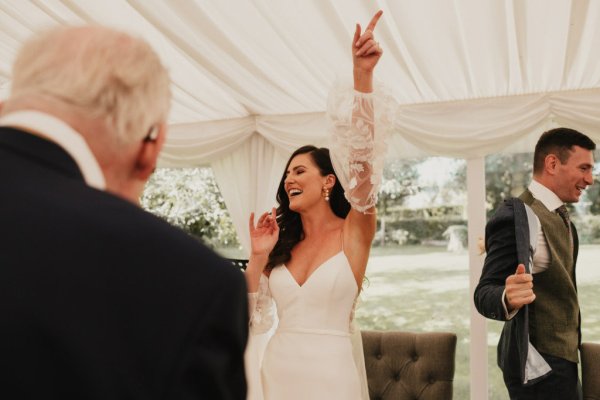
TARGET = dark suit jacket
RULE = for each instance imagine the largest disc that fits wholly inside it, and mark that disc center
(501, 259)
(100, 299)
(507, 242)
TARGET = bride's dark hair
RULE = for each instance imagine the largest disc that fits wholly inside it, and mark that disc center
(290, 224)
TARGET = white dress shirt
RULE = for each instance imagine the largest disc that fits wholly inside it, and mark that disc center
(541, 257)
(57, 131)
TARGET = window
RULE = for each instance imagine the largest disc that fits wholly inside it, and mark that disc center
(418, 273)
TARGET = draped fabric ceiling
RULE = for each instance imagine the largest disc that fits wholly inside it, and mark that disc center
(251, 77)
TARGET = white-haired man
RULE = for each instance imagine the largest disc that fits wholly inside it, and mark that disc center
(99, 299)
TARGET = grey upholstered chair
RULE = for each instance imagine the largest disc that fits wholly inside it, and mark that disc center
(590, 370)
(403, 365)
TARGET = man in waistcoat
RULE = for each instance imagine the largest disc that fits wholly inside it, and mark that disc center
(545, 296)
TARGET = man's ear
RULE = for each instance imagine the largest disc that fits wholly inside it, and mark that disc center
(551, 163)
(148, 154)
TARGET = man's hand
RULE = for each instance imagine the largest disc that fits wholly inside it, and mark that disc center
(519, 289)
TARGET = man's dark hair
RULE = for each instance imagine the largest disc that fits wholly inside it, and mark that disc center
(559, 142)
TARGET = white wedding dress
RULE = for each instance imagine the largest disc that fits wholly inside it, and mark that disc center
(312, 342)
(314, 353)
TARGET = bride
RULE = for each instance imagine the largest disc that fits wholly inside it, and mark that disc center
(309, 256)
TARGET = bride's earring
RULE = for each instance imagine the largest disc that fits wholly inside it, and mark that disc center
(326, 193)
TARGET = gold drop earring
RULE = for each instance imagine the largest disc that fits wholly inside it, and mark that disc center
(326, 193)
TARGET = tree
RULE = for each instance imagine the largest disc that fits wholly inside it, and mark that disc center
(506, 175)
(399, 181)
(190, 199)
(591, 197)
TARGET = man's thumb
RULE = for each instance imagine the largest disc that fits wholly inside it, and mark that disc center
(520, 269)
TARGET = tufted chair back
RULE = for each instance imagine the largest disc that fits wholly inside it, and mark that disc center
(590, 370)
(409, 366)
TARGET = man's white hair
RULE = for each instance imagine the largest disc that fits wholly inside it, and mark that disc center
(101, 72)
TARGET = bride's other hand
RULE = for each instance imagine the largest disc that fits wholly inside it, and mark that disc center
(263, 235)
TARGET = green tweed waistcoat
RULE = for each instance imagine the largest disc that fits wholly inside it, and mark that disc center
(554, 319)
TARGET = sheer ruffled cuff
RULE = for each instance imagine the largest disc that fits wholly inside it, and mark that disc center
(261, 309)
(360, 124)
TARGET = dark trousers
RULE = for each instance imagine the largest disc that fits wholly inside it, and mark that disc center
(561, 384)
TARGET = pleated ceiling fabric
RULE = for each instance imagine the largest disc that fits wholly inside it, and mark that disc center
(468, 77)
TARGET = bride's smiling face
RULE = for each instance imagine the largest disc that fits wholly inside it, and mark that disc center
(303, 183)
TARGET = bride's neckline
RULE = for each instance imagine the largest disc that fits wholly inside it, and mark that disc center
(313, 272)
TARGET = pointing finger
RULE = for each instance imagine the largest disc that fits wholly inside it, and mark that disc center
(374, 20)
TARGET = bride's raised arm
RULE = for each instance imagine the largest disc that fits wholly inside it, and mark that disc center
(359, 118)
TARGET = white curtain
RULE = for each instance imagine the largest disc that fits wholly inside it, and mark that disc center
(248, 178)
(477, 127)
(465, 129)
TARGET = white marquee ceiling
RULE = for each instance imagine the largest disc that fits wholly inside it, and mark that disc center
(470, 76)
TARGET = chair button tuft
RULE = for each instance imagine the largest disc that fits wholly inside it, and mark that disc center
(379, 356)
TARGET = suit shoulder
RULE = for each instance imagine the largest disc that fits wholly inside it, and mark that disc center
(142, 233)
(504, 212)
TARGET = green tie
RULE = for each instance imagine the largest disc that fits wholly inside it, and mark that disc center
(564, 214)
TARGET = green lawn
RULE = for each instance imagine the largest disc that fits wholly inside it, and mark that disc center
(427, 289)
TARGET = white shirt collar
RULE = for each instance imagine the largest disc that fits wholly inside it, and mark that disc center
(548, 198)
(63, 135)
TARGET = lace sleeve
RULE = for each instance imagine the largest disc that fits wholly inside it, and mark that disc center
(261, 309)
(359, 125)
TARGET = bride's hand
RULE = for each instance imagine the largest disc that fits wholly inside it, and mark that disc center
(264, 235)
(365, 50)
